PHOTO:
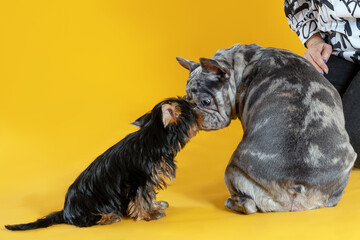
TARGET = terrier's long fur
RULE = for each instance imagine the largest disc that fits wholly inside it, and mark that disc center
(123, 180)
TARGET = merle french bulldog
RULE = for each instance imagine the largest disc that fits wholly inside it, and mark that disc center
(295, 153)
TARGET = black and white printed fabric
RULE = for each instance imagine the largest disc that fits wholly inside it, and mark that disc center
(338, 22)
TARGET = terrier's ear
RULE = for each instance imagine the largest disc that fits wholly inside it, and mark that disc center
(189, 65)
(212, 66)
(170, 113)
(141, 121)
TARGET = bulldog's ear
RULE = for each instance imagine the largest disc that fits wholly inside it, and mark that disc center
(141, 121)
(170, 113)
(212, 66)
(189, 65)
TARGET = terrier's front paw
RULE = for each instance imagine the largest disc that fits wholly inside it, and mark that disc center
(159, 205)
(156, 215)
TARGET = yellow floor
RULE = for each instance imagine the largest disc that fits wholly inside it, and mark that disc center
(196, 201)
(74, 74)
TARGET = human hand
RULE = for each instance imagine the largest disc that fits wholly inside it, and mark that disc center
(318, 52)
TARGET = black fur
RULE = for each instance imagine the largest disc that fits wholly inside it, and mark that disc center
(125, 177)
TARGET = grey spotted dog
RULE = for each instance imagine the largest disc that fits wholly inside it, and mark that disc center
(295, 153)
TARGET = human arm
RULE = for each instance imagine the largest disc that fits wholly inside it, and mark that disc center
(302, 21)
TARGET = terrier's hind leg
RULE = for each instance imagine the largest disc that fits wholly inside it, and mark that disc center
(109, 218)
(144, 205)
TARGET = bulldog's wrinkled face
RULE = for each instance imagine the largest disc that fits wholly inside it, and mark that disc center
(207, 87)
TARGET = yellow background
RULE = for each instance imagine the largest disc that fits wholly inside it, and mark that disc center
(74, 74)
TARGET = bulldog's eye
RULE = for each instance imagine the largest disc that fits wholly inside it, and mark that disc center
(206, 102)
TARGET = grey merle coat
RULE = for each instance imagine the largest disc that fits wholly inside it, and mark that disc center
(295, 153)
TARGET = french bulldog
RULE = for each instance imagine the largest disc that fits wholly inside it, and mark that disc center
(295, 154)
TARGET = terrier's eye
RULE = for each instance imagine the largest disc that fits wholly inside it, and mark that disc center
(206, 102)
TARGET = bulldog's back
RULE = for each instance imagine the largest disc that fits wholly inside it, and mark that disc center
(293, 122)
(295, 153)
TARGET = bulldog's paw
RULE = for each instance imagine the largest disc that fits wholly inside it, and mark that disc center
(241, 204)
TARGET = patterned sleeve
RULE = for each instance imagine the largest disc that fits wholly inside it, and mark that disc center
(301, 19)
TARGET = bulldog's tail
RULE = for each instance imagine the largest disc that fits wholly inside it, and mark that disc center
(51, 219)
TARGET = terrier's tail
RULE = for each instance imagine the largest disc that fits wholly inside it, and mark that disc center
(49, 220)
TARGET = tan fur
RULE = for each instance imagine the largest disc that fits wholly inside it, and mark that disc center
(192, 132)
(161, 171)
(139, 207)
(159, 206)
(195, 127)
(144, 206)
(170, 113)
(108, 218)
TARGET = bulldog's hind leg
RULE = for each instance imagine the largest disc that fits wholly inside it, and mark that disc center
(242, 204)
(247, 195)
(239, 201)
(338, 193)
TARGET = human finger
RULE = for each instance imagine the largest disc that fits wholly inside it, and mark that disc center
(308, 57)
(315, 53)
(326, 52)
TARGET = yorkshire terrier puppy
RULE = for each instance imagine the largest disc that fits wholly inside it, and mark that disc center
(124, 179)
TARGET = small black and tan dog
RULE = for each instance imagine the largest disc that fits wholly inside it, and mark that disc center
(124, 179)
